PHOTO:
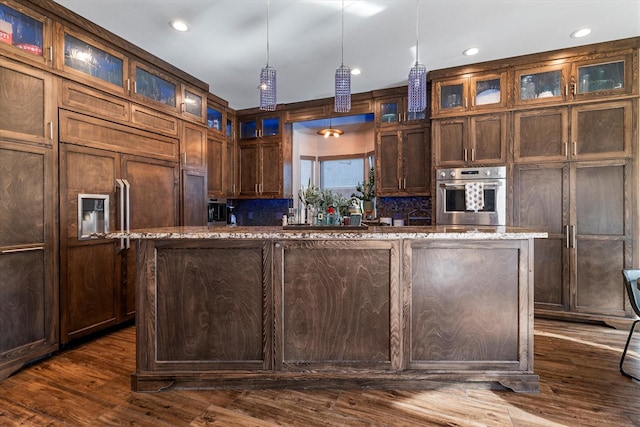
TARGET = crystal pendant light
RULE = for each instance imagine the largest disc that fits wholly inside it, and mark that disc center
(343, 80)
(268, 90)
(417, 80)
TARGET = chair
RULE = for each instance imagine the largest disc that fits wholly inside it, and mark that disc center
(633, 291)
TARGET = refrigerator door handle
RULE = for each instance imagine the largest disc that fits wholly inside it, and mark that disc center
(121, 208)
(127, 188)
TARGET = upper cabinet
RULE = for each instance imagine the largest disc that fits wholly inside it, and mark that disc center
(153, 87)
(596, 76)
(262, 126)
(194, 104)
(482, 91)
(91, 62)
(25, 34)
(392, 111)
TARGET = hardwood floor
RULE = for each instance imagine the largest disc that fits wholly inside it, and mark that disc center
(580, 385)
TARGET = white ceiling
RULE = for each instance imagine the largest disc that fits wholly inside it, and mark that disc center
(226, 45)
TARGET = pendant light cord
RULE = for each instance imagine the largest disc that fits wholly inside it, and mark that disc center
(267, 33)
(417, 37)
(342, 42)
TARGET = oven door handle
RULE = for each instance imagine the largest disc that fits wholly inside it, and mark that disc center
(461, 185)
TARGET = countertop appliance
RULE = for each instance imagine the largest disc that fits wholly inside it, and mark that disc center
(217, 212)
(453, 206)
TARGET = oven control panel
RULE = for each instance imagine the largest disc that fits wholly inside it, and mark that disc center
(471, 173)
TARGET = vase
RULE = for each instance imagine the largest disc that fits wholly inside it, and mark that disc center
(368, 209)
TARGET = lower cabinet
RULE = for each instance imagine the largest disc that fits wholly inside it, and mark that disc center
(584, 206)
(28, 273)
(256, 313)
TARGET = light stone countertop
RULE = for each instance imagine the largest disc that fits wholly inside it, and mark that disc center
(343, 233)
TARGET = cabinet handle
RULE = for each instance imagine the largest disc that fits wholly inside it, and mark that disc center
(404, 183)
(473, 101)
(465, 154)
(573, 236)
(121, 208)
(128, 85)
(566, 149)
(135, 88)
(50, 131)
(575, 148)
(473, 154)
(184, 158)
(466, 102)
(574, 89)
(50, 53)
(566, 90)
(13, 251)
(566, 237)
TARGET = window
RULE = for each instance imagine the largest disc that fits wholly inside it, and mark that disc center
(307, 174)
(341, 175)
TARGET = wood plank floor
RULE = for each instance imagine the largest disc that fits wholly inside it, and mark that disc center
(580, 385)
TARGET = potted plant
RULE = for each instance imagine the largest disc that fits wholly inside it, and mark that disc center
(366, 192)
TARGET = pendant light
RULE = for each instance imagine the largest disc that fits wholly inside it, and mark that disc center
(330, 131)
(343, 80)
(417, 80)
(268, 90)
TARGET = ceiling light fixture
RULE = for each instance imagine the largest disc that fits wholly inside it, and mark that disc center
(179, 25)
(268, 89)
(330, 131)
(581, 33)
(417, 80)
(343, 80)
(471, 51)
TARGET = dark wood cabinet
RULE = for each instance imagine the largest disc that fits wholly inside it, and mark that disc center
(194, 162)
(470, 93)
(584, 206)
(582, 132)
(28, 200)
(28, 255)
(260, 169)
(98, 276)
(474, 140)
(403, 161)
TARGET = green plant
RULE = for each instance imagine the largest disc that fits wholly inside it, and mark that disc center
(366, 191)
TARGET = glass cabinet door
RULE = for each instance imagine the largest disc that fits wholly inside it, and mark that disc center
(486, 91)
(22, 31)
(601, 77)
(154, 87)
(192, 103)
(92, 61)
(389, 111)
(248, 129)
(214, 119)
(540, 85)
(452, 96)
(270, 126)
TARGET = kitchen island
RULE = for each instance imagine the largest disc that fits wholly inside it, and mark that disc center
(386, 307)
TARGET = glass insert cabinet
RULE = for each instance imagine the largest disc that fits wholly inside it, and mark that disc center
(475, 92)
(90, 60)
(21, 30)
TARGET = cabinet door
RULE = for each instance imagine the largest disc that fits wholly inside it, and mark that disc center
(488, 139)
(193, 146)
(216, 166)
(31, 38)
(194, 197)
(271, 166)
(248, 167)
(540, 194)
(450, 141)
(601, 130)
(90, 288)
(541, 134)
(27, 104)
(388, 163)
(603, 76)
(488, 91)
(602, 201)
(541, 85)
(28, 291)
(450, 96)
(416, 158)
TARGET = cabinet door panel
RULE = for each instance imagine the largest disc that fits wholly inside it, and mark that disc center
(194, 195)
(22, 103)
(550, 273)
(489, 134)
(248, 169)
(90, 291)
(22, 180)
(388, 162)
(600, 200)
(541, 135)
(216, 170)
(602, 129)
(271, 169)
(416, 156)
(451, 140)
(154, 192)
(23, 299)
(194, 146)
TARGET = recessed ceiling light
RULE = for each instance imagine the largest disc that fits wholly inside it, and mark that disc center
(471, 51)
(356, 72)
(179, 25)
(581, 33)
